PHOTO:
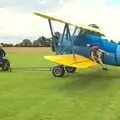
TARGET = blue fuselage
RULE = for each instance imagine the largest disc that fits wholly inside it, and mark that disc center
(79, 45)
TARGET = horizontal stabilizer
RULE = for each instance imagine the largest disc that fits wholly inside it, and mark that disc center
(71, 60)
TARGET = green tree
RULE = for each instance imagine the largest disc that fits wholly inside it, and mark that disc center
(26, 43)
(43, 41)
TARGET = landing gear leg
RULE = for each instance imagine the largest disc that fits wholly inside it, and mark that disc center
(70, 69)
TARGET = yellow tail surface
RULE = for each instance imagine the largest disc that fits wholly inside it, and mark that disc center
(77, 61)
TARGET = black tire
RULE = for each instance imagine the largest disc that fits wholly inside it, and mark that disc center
(70, 69)
(58, 71)
(6, 65)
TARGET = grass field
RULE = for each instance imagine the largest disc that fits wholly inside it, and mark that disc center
(90, 94)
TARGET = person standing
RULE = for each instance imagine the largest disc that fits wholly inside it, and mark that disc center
(96, 55)
(2, 53)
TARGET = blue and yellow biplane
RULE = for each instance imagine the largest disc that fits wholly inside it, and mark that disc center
(72, 49)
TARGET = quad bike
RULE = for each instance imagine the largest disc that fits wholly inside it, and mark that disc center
(5, 65)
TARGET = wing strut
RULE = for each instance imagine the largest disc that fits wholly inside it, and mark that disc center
(74, 31)
(66, 32)
(63, 34)
(51, 29)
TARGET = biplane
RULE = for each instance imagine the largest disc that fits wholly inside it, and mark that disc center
(72, 48)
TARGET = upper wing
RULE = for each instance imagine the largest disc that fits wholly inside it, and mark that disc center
(62, 21)
(72, 60)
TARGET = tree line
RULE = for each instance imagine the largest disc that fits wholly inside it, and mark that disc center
(40, 42)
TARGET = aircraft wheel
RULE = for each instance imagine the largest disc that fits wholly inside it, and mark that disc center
(70, 69)
(58, 71)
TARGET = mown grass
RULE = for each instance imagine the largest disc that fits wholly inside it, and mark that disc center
(90, 94)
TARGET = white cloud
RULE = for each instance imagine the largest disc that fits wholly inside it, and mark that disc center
(93, 11)
(42, 1)
(13, 23)
(20, 24)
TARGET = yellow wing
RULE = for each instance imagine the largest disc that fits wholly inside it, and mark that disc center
(62, 21)
(72, 60)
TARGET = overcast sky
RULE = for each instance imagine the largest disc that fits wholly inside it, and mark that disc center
(17, 21)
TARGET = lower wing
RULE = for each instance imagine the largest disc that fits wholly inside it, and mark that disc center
(71, 60)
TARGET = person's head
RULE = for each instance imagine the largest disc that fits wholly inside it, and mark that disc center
(94, 26)
(95, 47)
(57, 34)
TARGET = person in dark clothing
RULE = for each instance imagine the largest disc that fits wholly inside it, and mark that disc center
(55, 40)
(2, 53)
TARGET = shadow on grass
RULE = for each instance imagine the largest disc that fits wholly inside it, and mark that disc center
(95, 79)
